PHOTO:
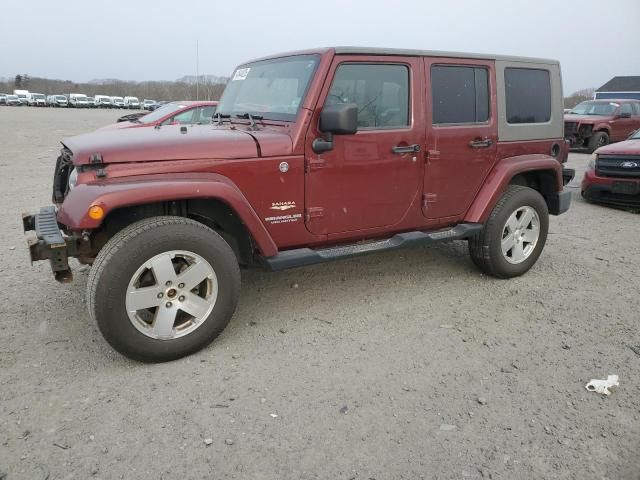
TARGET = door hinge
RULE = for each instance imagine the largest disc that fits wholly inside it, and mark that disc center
(313, 164)
(429, 198)
(432, 155)
(313, 212)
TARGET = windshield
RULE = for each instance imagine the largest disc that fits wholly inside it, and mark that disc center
(273, 89)
(595, 108)
(118, 99)
(161, 112)
(39, 96)
(61, 98)
(12, 97)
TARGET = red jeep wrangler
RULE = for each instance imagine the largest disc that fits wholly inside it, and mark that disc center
(313, 156)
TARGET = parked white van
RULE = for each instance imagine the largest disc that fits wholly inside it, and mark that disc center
(57, 101)
(103, 101)
(78, 100)
(23, 96)
(117, 102)
(36, 100)
(131, 102)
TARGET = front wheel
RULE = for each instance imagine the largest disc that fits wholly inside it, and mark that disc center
(163, 288)
(514, 235)
(597, 140)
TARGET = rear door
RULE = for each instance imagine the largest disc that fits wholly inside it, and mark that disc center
(461, 133)
(622, 127)
(370, 179)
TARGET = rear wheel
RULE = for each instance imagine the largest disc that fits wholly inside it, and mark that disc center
(514, 235)
(163, 288)
(597, 140)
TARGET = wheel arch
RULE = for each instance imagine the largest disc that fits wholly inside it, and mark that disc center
(601, 127)
(540, 172)
(212, 212)
(214, 201)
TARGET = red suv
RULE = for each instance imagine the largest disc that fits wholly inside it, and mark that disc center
(174, 113)
(313, 156)
(595, 123)
(613, 176)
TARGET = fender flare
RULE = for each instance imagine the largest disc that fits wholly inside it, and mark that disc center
(501, 175)
(599, 127)
(143, 189)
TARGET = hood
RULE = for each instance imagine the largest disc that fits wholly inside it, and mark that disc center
(628, 147)
(125, 124)
(572, 117)
(169, 143)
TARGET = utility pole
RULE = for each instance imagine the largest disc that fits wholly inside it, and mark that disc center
(197, 71)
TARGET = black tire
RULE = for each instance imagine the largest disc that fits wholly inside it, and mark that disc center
(485, 247)
(597, 140)
(129, 249)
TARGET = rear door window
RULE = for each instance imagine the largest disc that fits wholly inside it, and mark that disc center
(528, 95)
(459, 94)
(626, 108)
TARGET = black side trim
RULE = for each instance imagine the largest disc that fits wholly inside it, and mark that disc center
(306, 256)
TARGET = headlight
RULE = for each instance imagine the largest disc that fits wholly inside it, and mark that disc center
(73, 178)
(592, 162)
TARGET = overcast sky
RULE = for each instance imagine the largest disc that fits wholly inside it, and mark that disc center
(81, 40)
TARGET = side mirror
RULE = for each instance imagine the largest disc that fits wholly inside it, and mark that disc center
(624, 115)
(340, 119)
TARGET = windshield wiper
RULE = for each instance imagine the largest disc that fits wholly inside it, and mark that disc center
(220, 116)
(251, 118)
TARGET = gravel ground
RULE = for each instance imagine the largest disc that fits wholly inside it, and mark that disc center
(392, 366)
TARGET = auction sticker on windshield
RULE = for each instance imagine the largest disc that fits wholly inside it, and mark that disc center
(241, 74)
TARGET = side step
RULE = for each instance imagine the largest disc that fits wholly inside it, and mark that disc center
(306, 256)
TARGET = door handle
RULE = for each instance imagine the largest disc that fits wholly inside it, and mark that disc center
(481, 143)
(415, 148)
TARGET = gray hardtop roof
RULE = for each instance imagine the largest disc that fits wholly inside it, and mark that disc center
(404, 53)
(435, 53)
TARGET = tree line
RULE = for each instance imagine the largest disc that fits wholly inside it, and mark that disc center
(207, 88)
(580, 96)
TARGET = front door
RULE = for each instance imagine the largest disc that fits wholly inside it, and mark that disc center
(461, 133)
(621, 127)
(370, 179)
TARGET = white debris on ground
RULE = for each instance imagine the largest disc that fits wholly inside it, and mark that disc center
(602, 386)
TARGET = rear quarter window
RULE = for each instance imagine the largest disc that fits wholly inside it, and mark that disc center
(528, 95)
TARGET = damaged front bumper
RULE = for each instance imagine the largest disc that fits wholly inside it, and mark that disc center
(51, 243)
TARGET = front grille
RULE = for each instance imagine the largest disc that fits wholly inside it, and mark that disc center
(570, 128)
(627, 166)
(64, 165)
